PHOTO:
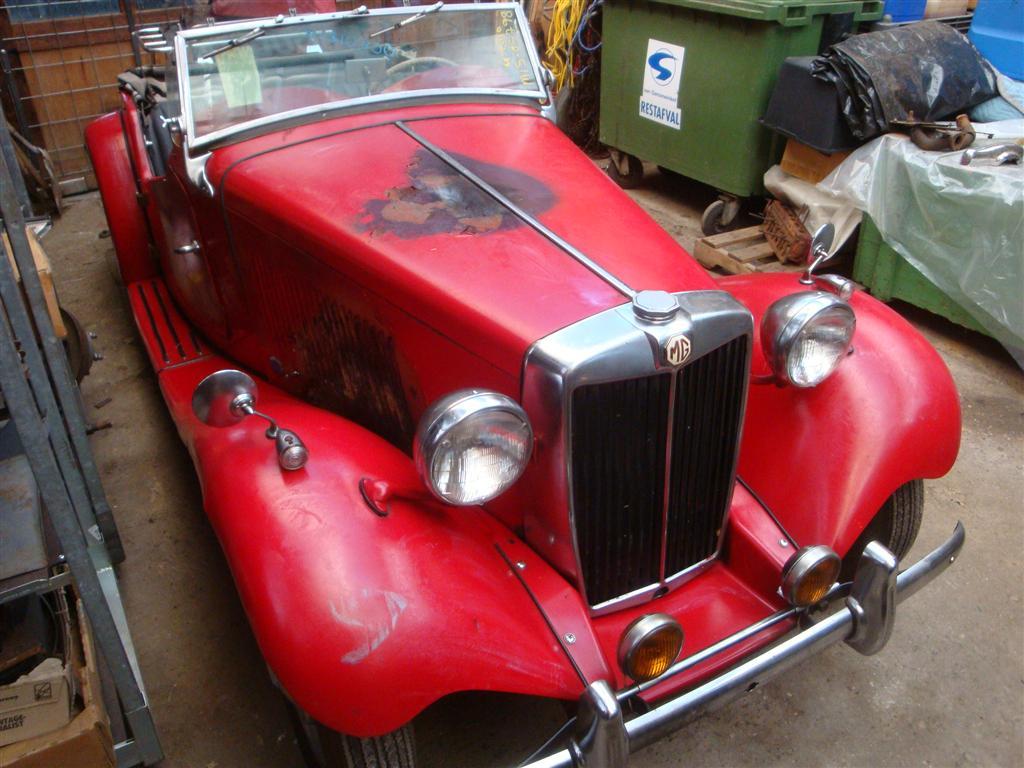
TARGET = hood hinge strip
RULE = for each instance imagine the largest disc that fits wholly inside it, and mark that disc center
(578, 255)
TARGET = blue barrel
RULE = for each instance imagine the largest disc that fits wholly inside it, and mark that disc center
(997, 30)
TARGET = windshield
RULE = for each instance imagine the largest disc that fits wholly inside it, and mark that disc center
(266, 69)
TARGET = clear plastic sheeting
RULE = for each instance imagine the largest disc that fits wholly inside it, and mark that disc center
(962, 226)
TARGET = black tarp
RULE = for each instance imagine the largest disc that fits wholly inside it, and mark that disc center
(929, 69)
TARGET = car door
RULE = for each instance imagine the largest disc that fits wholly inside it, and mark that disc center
(183, 257)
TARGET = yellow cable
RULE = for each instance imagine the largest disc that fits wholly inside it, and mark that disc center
(566, 17)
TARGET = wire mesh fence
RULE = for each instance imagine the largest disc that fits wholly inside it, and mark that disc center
(60, 60)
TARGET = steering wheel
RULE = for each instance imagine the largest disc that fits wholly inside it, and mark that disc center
(411, 64)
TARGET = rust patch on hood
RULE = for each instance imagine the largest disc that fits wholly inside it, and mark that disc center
(438, 199)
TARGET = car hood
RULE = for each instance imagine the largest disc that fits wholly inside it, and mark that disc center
(375, 201)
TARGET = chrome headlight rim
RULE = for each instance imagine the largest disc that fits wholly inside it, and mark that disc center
(803, 563)
(787, 319)
(448, 412)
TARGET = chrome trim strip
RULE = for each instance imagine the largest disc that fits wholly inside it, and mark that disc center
(540, 609)
(526, 218)
(426, 95)
(662, 720)
(666, 498)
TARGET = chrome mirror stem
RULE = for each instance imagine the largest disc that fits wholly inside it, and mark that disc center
(821, 242)
(291, 451)
(818, 256)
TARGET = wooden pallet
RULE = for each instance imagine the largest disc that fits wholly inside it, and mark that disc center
(739, 252)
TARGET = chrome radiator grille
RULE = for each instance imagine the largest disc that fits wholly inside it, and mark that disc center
(624, 436)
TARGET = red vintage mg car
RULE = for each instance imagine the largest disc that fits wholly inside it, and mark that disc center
(465, 418)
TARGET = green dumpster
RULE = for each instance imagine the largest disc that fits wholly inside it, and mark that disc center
(685, 82)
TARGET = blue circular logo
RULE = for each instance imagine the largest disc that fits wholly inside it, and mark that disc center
(663, 66)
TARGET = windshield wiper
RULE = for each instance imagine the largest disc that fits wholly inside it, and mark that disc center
(231, 44)
(432, 9)
(362, 10)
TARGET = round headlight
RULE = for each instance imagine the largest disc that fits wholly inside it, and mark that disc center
(806, 335)
(471, 445)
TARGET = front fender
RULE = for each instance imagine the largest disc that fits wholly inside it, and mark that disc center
(825, 459)
(365, 620)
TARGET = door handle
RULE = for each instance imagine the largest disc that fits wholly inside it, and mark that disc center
(190, 248)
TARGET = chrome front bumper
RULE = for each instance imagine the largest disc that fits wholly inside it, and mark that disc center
(603, 739)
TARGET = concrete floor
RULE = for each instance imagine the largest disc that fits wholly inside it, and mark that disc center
(948, 690)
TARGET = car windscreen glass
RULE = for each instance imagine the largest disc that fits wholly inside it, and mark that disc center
(244, 75)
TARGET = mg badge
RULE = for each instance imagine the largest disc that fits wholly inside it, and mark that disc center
(677, 349)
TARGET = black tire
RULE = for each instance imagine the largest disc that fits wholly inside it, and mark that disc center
(323, 748)
(396, 749)
(634, 172)
(896, 526)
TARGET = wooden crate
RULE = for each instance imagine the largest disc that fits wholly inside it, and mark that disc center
(741, 251)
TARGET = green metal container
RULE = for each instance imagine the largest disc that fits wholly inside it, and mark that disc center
(887, 275)
(685, 82)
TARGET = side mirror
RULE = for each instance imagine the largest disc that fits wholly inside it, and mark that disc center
(227, 396)
(818, 252)
(817, 255)
(221, 398)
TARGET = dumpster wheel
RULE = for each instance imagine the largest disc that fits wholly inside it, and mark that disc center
(625, 169)
(720, 216)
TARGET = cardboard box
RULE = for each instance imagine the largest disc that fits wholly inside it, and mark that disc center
(85, 742)
(35, 703)
(808, 163)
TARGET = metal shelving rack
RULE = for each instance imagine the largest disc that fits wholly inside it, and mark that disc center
(44, 405)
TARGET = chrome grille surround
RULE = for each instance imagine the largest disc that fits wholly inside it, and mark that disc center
(611, 346)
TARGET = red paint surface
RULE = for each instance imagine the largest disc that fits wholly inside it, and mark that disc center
(407, 608)
(494, 293)
(341, 599)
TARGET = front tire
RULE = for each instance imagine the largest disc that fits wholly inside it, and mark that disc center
(396, 749)
(323, 748)
(896, 526)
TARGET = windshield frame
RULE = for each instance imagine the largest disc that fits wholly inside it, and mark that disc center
(359, 103)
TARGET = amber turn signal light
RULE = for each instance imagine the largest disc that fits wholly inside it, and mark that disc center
(809, 575)
(649, 646)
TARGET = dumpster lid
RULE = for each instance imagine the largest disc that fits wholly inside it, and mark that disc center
(788, 13)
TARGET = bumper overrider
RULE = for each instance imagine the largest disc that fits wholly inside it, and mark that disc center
(603, 738)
